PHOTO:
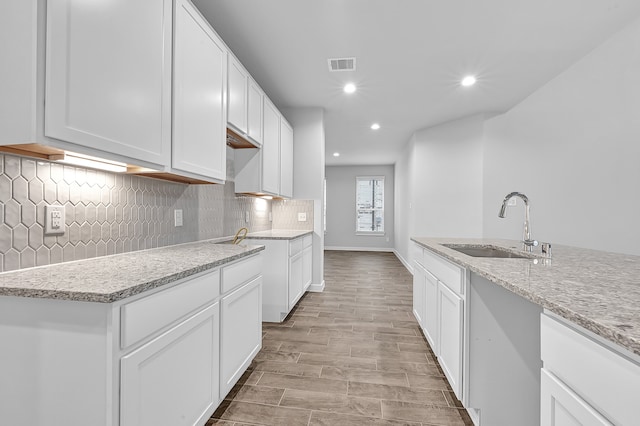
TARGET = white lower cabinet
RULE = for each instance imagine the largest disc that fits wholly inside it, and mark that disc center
(585, 380)
(450, 331)
(240, 332)
(560, 406)
(286, 274)
(438, 306)
(173, 379)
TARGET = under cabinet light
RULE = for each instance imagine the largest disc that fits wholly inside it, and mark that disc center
(90, 162)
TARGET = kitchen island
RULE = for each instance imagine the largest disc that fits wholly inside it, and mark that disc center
(150, 337)
(566, 328)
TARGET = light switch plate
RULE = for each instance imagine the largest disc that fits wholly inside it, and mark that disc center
(512, 202)
(302, 217)
(246, 217)
(177, 217)
(54, 220)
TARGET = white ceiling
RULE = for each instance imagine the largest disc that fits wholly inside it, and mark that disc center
(411, 55)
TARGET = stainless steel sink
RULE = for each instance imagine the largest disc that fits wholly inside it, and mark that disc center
(487, 251)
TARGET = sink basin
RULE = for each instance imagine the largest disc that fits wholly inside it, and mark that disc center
(487, 251)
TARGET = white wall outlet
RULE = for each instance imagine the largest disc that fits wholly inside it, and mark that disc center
(246, 217)
(54, 220)
(512, 202)
(177, 217)
(302, 217)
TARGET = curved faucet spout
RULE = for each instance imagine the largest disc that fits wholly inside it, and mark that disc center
(528, 242)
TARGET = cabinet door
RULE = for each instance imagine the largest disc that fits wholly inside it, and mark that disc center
(240, 332)
(199, 109)
(237, 101)
(431, 311)
(108, 76)
(254, 112)
(295, 279)
(419, 294)
(450, 332)
(560, 406)
(271, 149)
(286, 159)
(307, 268)
(173, 380)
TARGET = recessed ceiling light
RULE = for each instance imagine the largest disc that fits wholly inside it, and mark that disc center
(469, 80)
(375, 126)
(336, 154)
(349, 88)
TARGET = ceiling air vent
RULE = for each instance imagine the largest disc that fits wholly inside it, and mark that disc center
(342, 64)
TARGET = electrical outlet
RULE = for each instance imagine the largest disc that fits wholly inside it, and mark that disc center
(54, 220)
(302, 217)
(177, 217)
(246, 217)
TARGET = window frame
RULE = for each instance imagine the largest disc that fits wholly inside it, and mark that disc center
(372, 209)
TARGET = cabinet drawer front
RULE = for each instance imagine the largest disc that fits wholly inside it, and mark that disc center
(448, 273)
(240, 272)
(145, 316)
(604, 379)
(307, 241)
(295, 246)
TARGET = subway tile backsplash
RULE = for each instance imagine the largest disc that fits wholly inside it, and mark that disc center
(109, 213)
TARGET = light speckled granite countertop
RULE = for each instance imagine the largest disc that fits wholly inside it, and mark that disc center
(111, 278)
(277, 234)
(597, 290)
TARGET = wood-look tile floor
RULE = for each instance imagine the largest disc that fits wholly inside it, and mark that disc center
(352, 355)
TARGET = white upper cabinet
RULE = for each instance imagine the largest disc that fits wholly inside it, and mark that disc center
(108, 76)
(254, 112)
(286, 159)
(199, 89)
(271, 149)
(238, 83)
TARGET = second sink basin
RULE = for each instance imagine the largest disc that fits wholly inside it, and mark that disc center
(487, 251)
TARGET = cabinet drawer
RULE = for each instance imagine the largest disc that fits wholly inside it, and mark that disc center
(295, 246)
(307, 241)
(448, 273)
(240, 272)
(606, 380)
(145, 316)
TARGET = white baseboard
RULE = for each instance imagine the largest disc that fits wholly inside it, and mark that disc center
(381, 249)
(404, 261)
(474, 415)
(317, 288)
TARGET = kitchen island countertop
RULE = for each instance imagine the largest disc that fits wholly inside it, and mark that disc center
(597, 290)
(111, 278)
(277, 234)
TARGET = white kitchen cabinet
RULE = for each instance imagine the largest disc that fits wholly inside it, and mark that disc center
(108, 77)
(271, 148)
(240, 319)
(585, 379)
(286, 159)
(173, 379)
(450, 333)
(438, 305)
(285, 269)
(560, 406)
(199, 91)
(255, 103)
(238, 84)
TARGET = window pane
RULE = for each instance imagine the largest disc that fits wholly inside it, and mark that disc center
(370, 204)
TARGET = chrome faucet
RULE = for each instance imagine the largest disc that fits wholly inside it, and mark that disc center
(529, 244)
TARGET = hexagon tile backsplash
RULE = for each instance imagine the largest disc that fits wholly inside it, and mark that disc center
(107, 213)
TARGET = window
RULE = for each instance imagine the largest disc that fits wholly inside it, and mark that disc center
(370, 205)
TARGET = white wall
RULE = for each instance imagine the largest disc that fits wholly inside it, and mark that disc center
(442, 169)
(308, 175)
(574, 148)
(341, 208)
